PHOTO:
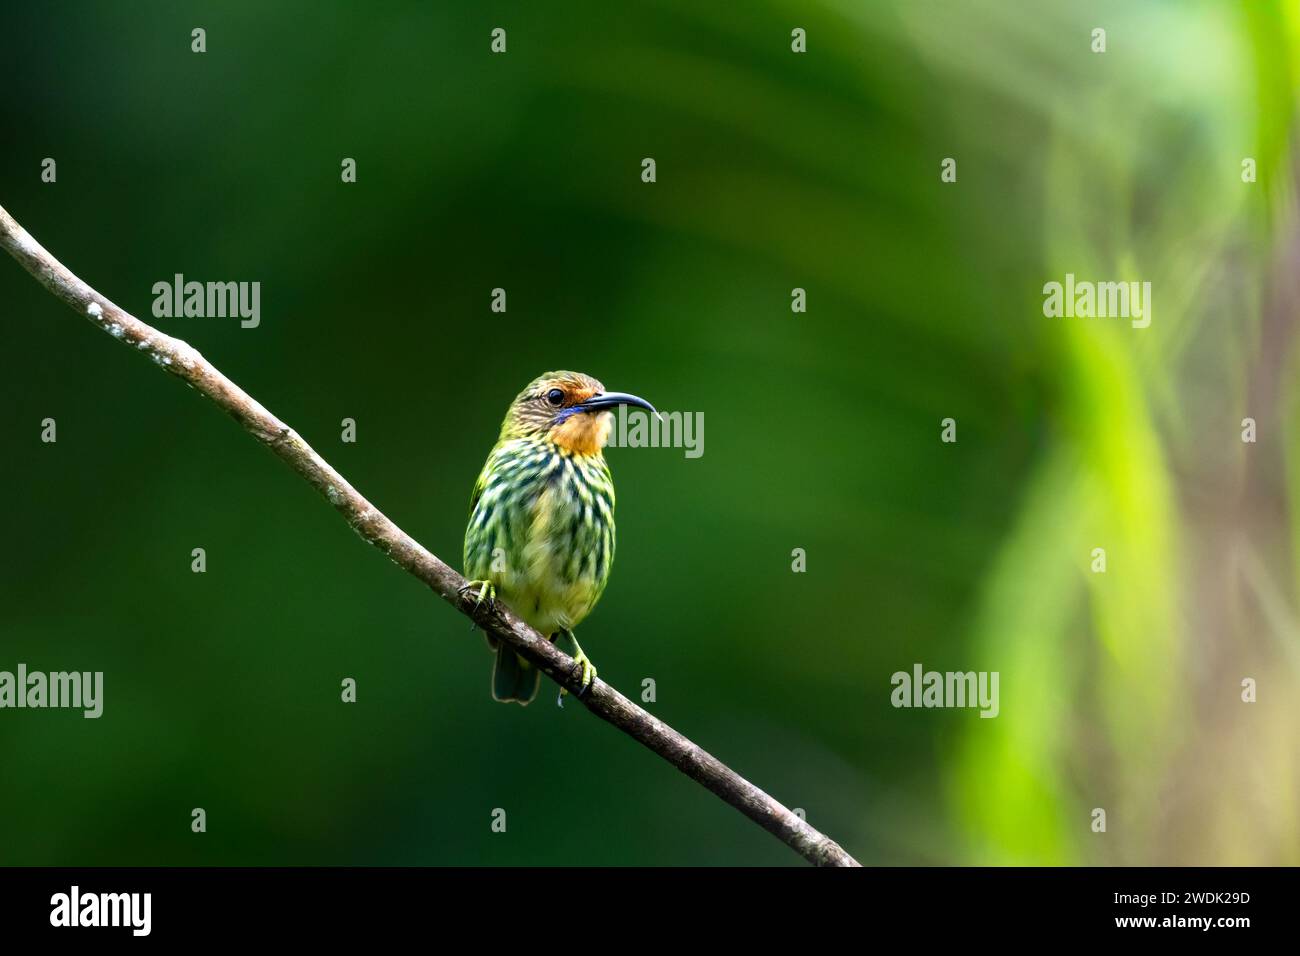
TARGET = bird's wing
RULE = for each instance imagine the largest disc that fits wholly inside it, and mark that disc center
(478, 492)
(480, 534)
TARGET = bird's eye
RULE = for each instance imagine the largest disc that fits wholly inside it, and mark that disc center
(555, 397)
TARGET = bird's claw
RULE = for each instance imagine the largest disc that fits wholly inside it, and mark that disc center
(486, 590)
(588, 671)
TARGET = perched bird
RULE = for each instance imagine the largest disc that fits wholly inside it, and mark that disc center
(541, 524)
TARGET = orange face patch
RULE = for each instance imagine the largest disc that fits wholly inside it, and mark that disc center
(584, 433)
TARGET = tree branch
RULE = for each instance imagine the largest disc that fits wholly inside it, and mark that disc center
(184, 362)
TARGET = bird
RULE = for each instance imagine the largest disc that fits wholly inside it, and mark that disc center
(541, 536)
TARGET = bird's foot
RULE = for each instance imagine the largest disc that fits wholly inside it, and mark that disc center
(582, 660)
(486, 591)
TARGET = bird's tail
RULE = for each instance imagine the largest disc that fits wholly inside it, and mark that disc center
(513, 678)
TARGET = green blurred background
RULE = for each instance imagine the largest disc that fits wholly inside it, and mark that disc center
(775, 170)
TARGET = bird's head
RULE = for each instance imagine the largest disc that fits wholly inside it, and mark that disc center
(569, 409)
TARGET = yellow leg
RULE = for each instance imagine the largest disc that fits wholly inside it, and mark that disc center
(579, 657)
(486, 589)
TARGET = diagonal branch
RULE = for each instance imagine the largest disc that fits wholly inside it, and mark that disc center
(183, 361)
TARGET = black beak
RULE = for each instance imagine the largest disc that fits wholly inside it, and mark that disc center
(606, 400)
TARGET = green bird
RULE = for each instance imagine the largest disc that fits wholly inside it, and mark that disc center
(541, 524)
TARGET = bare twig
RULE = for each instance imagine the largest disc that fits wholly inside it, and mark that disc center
(183, 361)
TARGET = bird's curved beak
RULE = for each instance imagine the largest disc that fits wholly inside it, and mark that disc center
(607, 400)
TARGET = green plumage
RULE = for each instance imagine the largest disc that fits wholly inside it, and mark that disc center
(541, 527)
